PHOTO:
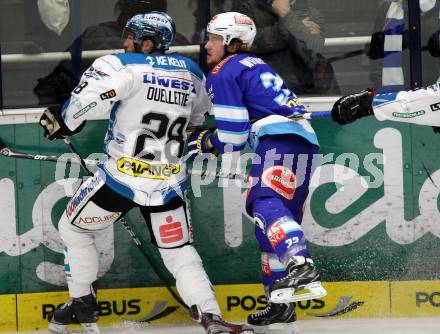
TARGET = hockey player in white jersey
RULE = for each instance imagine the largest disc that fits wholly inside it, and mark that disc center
(417, 107)
(153, 96)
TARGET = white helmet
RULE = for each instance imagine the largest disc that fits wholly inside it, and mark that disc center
(232, 25)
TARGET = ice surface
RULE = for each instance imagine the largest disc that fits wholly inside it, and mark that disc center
(327, 326)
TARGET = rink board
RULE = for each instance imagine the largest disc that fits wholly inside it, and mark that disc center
(26, 312)
(8, 319)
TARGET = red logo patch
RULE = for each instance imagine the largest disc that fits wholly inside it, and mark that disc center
(216, 70)
(265, 264)
(281, 180)
(171, 232)
(242, 19)
(276, 234)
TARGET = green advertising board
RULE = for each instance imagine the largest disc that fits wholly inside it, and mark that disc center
(372, 212)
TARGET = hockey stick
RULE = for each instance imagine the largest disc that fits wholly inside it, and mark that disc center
(9, 152)
(74, 151)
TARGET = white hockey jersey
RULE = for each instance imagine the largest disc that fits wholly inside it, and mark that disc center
(421, 106)
(152, 100)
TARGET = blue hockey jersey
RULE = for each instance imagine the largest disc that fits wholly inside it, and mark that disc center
(251, 100)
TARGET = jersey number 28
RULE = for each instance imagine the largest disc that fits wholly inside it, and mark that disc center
(157, 127)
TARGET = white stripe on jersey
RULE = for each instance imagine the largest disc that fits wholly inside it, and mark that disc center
(234, 138)
(230, 113)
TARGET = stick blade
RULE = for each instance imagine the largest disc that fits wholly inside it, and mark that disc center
(4, 149)
(2, 144)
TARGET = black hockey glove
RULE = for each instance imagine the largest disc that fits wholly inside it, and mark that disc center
(199, 144)
(352, 107)
(54, 126)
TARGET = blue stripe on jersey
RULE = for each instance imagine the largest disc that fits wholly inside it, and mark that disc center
(226, 119)
(169, 194)
(384, 98)
(234, 126)
(111, 124)
(288, 128)
(114, 184)
(64, 108)
(232, 132)
(152, 59)
(131, 58)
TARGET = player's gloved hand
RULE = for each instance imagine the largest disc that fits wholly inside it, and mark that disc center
(199, 144)
(352, 107)
(53, 125)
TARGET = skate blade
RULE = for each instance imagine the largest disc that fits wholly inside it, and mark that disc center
(290, 295)
(279, 328)
(90, 328)
(63, 329)
(248, 330)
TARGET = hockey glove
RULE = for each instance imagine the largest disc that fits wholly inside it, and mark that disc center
(199, 144)
(352, 107)
(54, 126)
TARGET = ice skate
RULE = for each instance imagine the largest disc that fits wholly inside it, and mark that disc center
(214, 324)
(275, 319)
(83, 311)
(302, 283)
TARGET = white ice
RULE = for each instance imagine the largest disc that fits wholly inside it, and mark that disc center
(326, 326)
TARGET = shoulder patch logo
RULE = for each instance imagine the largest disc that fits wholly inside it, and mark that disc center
(108, 95)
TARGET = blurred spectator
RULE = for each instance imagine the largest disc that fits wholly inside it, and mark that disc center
(222, 6)
(290, 36)
(388, 49)
(57, 86)
(47, 25)
(216, 7)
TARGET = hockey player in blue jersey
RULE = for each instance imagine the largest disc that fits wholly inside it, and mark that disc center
(252, 104)
(153, 96)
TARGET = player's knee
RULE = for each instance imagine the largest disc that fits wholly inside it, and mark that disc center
(64, 227)
(267, 210)
(72, 235)
(178, 259)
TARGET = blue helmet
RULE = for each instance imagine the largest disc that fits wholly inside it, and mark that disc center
(157, 26)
